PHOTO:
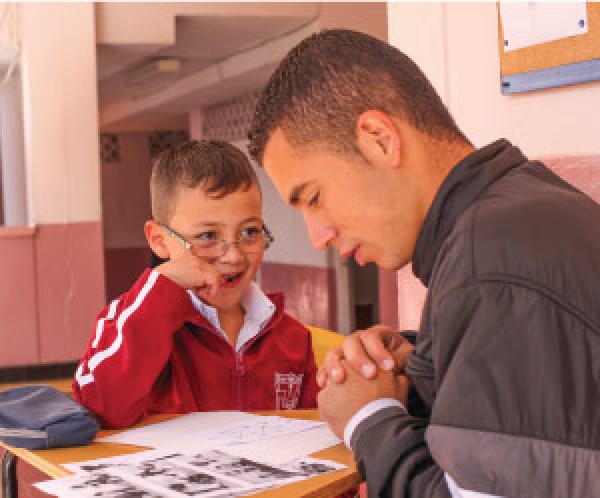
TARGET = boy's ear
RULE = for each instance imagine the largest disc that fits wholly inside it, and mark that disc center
(378, 139)
(155, 236)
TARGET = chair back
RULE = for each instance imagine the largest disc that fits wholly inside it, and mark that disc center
(322, 341)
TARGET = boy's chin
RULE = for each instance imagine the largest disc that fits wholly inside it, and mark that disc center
(225, 298)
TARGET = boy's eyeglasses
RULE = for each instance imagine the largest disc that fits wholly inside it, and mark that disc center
(249, 241)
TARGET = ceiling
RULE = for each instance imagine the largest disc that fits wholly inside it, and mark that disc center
(212, 59)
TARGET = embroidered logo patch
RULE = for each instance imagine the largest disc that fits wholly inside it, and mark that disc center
(287, 390)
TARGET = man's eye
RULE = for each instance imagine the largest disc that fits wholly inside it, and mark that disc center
(313, 201)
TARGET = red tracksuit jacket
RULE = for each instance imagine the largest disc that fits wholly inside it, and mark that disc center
(153, 352)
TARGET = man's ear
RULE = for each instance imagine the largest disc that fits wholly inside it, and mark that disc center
(155, 236)
(378, 138)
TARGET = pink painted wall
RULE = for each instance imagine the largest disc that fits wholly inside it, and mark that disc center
(69, 276)
(310, 293)
(1, 199)
(388, 298)
(18, 317)
(51, 291)
(581, 171)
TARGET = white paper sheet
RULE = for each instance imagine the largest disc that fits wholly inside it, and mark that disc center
(528, 23)
(203, 431)
(276, 451)
(177, 432)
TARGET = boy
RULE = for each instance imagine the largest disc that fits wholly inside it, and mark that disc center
(195, 333)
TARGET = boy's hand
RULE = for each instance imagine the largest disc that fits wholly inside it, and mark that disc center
(191, 272)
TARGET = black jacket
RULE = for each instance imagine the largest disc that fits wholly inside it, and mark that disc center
(508, 354)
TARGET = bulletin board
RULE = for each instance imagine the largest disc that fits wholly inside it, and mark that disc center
(571, 60)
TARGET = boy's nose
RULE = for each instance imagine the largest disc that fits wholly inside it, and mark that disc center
(232, 252)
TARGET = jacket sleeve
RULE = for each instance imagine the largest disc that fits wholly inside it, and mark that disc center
(500, 350)
(129, 349)
(310, 389)
(392, 455)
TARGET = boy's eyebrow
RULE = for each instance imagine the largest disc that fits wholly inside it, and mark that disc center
(205, 224)
(296, 193)
(251, 218)
(215, 224)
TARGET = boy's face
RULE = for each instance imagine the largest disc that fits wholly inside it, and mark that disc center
(198, 217)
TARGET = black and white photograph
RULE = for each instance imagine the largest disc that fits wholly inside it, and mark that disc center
(310, 467)
(178, 479)
(100, 484)
(156, 474)
(242, 469)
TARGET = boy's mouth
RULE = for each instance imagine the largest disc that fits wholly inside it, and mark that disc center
(231, 280)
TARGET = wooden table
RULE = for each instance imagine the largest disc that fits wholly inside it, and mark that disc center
(323, 486)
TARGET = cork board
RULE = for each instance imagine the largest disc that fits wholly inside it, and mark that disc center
(569, 50)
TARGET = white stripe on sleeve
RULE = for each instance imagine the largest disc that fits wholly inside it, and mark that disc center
(100, 356)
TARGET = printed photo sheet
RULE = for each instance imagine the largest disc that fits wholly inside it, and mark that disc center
(159, 473)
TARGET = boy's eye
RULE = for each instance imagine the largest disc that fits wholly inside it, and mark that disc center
(250, 232)
(313, 201)
(206, 237)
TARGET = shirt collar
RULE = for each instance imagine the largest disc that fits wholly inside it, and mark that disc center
(259, 309)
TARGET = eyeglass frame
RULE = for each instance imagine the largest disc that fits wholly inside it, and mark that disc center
(266, 233)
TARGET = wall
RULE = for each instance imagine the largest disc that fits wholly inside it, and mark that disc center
(52, 269)
(458, 49)
(125, 208)
(126, 205)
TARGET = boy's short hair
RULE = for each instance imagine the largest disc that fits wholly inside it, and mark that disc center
(218, 166)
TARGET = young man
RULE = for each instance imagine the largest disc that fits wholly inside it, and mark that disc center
(506, 360)
(195, 333)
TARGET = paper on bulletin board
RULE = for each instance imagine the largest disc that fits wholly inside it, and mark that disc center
(529, 23)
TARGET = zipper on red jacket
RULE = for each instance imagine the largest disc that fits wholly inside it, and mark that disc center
(239, 374)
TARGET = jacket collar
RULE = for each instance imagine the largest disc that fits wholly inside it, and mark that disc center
(463, 185)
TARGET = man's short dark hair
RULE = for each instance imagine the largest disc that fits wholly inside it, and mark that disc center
(218, 166)
(329, 79)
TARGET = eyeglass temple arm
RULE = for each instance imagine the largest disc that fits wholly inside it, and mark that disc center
(176, 236)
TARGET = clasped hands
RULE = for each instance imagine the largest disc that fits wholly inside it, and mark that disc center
(369, 365)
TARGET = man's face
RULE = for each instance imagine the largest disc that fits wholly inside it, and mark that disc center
(361, 209)
(199, 216)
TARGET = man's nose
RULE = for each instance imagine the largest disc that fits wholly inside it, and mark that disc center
(321, 234)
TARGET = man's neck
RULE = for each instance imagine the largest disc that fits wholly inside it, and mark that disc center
(441, 159)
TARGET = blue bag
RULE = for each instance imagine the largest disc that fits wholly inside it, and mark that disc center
(39, 417)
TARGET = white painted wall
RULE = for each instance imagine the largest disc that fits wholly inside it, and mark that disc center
(456, 44)
(60, 112)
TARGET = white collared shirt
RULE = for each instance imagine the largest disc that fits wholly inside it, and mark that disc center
(259, 309)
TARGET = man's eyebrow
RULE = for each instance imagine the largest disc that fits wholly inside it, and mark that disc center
(296, 193)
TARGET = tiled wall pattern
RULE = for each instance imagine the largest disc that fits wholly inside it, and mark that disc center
(229, 120)
(163, 139)
(110, 151)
